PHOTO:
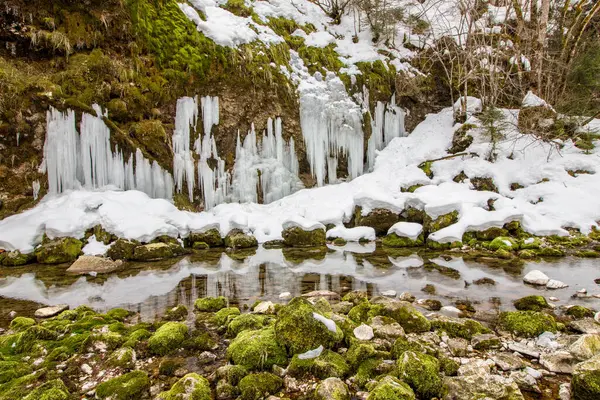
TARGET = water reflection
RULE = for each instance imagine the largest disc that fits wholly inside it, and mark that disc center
(267, 273)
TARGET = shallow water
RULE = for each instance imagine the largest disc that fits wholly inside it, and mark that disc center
(244, 277)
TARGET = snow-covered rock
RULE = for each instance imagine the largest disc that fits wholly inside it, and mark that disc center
(352, 234)
(409, 230)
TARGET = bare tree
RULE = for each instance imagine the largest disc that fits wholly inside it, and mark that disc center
(335, 9)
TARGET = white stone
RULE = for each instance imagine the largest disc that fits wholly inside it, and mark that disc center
(86, 369)
(547, 340)
(564, 391)
(582, 291)
(524, 349)
(285, 296)
(47, 312)
(555, 284)
(12, 314)
(363, 332)
(533, 372)
(536, 277)
(551, 298)
(389, 293)
(450, 311)
(265, 307)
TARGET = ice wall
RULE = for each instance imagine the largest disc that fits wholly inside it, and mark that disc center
(186, 118)
(86, 160)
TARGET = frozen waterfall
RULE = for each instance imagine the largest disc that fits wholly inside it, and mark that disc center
(186, 118)
(387, 123)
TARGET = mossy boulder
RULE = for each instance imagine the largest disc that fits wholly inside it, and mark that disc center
(122, 249)
(433, 245)
(459, 328)
(136, 337)
(433, 225)
(526, 323)
(327, 364)
(461, 139)
(16, 258)
(237, 239)
(359, 352)
(332, 389)
(156, 251)
(177, 313)
(379, 219)
(531, 303)
(422, 373)
(504, 243)
(210, 304)
(393, 240)
(411, 320)
(192, 386)
(390, 388)
(124, 358)
(577, 312)
(130, 386)
(232, 374)
(585, 384)
(211, 237)
(257, 350)
(21, 323)
(58, 251)
(51, 390)
(299, 330)
(532, 243)
(403, 344)
(258, 386)
(225, 315)
(491, 234)
(247, 322)
(298, 237)
(483, 184)
(167, 338)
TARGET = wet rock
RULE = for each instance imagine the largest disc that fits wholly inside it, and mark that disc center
(526, 323)
(389, 293)
(297, 237)
(430, 304)
(379, 219)
(555, 284)
(579, 312)
(211, 237)
(210, 304)
(16, 258)
(454, 327)
(156, 251)
(435, 224)
(327, 294)
(332, 389)
(58, 251)
(391, 388)
(536, 277)
(285, 296)
(363, 332)
(406, 296)
(237, 239)
(493, 387)
(99, 265)
(122, 249)
(450, 311)
(404, 313)
(505, 243)
(585, 384)
(559, 362)
(586, 325)
(508, 361)
(587, 346)
(47, 312)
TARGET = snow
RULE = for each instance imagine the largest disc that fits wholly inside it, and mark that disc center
(409, 230)
(352, 234)
(302, 223)
(531, 100)
(314, 353)
(326, 321)
(471, 104)
(94, 247)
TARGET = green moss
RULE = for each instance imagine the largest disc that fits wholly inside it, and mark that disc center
(224, 315)
(339, 241)
(526, 323)
(328, 364)
(110, 340)
(550, 252)
(192, 386)
(442, 269)
(21, 323)
(403, 344)
(367, 370)
(122, 358)
(587, 254)
(448, 366)
(433, 245)
(210, 304)
(300, 331)
(237, 239)
(393, 240)
(18, 388)
(360, 312)
(122, 249)
(246, 322)
(491, 233)
(379, 219)
(257, 350)
(136, 337)
(411, 188)
(433, 225)
(484, 184)
(119, 314)
(411, 320)
(10, 370)
(16, 258)
(130, 386)
(579, 312)
(167, 338)
(505, 243)
(258, 386)
(52, 390)
(527, 254)
(390, 388)
(426, 168)
(321, 59)
(585, 384)
(531, 303)
(359, 352)
(59, 251)
(178, 313)
(297, 237)
(463, 328)
(211, 237)
(421, 372)
(232, 374)
(156, 251)
(530, 243)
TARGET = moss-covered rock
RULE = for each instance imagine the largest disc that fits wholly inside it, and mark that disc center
(130, 386)
(411, 320)
(16, 258)
(393, 240)
(51, 390)
(359, 352)
(461, 139)
(167, 338)
(192, 386)
(232, 374)
(390, 388)
(433, 225)
(257, 350)
(225, 315)
(177, 313)
(531, 243)
(585, 384)
(422, 373)
(403, 344)
(527, 254)
(299, 330)
(21, 323)
(136, 337)
(298, 237)
(122, 249)
(102, 341)
(484, 184)
(58, 251)
(211, 237)
(246, 322)
(210, 304)
(332, 389)
(526, 323)
(10, 370)
(237, 239)
(156, 251)
(550, 252)
(504, 243)
(577, 312)
(258, 386)
(328, 364)
(458, 328)
(124, 358)
(531, 303)
(379, 219)
(491, 234)
(433, 245)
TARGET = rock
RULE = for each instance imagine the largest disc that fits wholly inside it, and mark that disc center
(343, 307)
(225, 315)
(327, 294)
(295, 236)
(132, 385)
(391, 388)
(485, 341)
(167, 338)
(458, 346)
(379, 219)
(122, 249)
(363, 332)
(564, 391)
(504, 243)
(454, 327)
(156, 251)
(178, 313)
(536, 277)
(256, 350)
(58, 251)
(526, 323)
(264, 307)
(246, 322)
(211, 237)
(585, 384)
(389, 293)
(586, 347)
(386, 328)
(206, 357)
(421, 372)
(47, 312)
(554, 284)
(482, 386)
(191, 386)
(16, 258)
(395, 240)
(560, 362)
(508, 361)
(476, 367)
(100, 265)
(450, 311)
(124, 358)
(524, 349)
(430, 304)
(406, 296)
(586, 325)
(411, 320)
(547, 340)
(332, 389)
(579, 312)
(327, 364)
(12, 314)
(257, 386)
(285, 296)
(525, 381)
(86, 369)
(433, 225)
(237, 239)
(531, 303)
(210, 304)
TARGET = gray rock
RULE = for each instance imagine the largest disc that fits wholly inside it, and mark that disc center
(508, 361)
(343, 307)
(479, 386)
(47, 312)
(524, 349)
(586, 325)
(476, 367)
(586, 347)
(525, 381)
(564, 391)
(560, 362)
(100, 265)
(264, 307)
(332, 388)
(484, 341)
(383, 330)
(457, 346)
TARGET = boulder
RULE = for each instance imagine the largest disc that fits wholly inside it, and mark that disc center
(379, 219)
(422, 373)
(16, 258)
(508, 361)
(167, 338)
(256, 350)
(435, 224)
(295, 236)
(58, 251)
(259, 386)
(363, 332)
(100, 265)
(132, 385)
(122, 249)
(191, 386)
(526, 323)
(327, 364)
(480, 386)
(237, 239)
(332, 389)
(210, 237)
(560, 362)
(47, 312)
(531, 303)
(586, 347)
(411, 320)
(585, 384)
(536, 277)
(585, 325)
(391, 388)
(156, 251)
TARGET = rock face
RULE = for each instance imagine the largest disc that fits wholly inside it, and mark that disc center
(298, 237)
(100, 265)
(586, 380)
(58, 251)
(48, 312)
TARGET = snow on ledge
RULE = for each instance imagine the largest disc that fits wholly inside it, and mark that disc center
(302, 223)
(352, 234)
(409, 230)
(531, 100)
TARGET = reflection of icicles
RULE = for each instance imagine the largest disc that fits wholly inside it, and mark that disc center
(186, 117)
(387, 124)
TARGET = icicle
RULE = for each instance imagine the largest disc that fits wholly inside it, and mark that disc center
(96, 155)
(60, 151)
(35, 185)
(387, 124)
(183, 163)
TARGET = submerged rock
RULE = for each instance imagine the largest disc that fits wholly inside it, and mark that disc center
(87, 264)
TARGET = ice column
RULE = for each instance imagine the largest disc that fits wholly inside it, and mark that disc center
(61, 151)
(186, 117)
(387, 123)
